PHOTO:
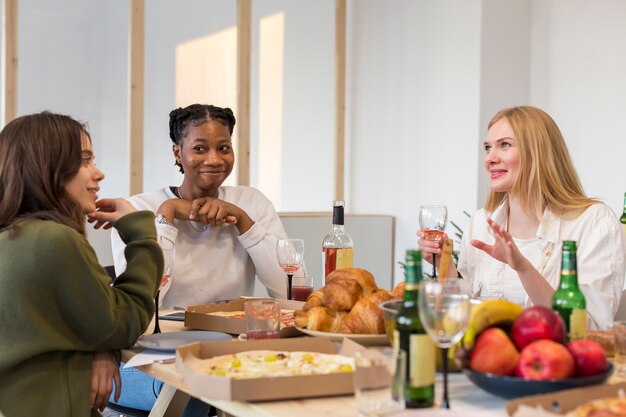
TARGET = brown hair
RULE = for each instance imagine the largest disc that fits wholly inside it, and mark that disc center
(547, 177)
(39, 153)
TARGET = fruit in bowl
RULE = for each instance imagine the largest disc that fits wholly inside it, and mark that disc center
(531, 347)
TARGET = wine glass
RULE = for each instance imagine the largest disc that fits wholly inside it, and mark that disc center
(444, 309)
(433, 221)
(167, 246)
(289, 253)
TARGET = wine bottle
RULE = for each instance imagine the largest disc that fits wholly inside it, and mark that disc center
(622, 219)
(410, 336)
(568, 300)
(337, 247)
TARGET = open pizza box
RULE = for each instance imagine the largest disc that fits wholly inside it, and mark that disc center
(559, 403)
(199, 317)
(264, 388)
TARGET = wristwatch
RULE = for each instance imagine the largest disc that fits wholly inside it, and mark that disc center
(160, 219)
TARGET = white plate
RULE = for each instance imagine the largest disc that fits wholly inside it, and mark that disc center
(170, 341)
(363, 339)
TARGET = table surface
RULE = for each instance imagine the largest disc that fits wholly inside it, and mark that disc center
(464, 396)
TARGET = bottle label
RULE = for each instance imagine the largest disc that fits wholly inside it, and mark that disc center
(344, 258)
(422, 360)
(578, 324)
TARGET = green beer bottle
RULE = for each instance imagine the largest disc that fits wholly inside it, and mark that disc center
(622, 219)
(568, 300)
(410, 336)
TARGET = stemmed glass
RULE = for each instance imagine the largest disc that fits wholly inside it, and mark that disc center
(444, 309)
(433, 221)
(289, 253)
(168, 263)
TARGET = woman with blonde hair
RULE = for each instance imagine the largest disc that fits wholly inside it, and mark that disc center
(512, 247)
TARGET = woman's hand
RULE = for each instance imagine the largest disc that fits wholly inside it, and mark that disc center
(104, 371)
(430, 247)
(503, 249)
(216, 212)
(108, 211)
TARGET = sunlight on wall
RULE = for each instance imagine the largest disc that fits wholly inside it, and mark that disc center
(271, 57)
(206, 73)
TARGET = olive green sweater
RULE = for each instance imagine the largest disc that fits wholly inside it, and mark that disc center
(57, 307)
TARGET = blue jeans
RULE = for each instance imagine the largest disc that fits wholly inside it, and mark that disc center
(140, 391)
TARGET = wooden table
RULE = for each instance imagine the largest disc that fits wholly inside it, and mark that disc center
(464, 395)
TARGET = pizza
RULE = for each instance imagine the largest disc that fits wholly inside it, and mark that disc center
(265, 363)
(606, 407)
(287, 317)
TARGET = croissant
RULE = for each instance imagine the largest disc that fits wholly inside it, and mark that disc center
(316, 299)
(364, 278)
(398, 291)
(364, 318)
(341, 293)
(320, 319)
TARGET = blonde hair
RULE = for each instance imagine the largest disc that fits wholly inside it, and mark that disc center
(547, 177)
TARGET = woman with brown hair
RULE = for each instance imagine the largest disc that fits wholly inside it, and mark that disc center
(512, 247)
(60, 317)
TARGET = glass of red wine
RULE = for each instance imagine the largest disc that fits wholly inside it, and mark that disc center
(433, 221)
(168, 264)
(290, 253)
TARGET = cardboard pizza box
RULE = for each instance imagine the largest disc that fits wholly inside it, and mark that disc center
(562, 402)
(198, 317)
(265, 388)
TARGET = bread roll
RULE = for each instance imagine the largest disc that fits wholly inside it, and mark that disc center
(341, 293)
(363, 277)
(316, 299)
(320, 319)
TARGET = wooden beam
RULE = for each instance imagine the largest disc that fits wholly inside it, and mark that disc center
(10, 61)
(244, 45)
(136, 101)
(340, 98)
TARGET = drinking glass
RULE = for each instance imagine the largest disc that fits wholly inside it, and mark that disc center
(290, 253)
(444, 309)
(433, 221)
(167, 246)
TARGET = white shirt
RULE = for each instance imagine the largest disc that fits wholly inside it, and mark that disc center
(601, 254)
(217, 263)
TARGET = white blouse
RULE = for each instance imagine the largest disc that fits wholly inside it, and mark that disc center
(601, 254)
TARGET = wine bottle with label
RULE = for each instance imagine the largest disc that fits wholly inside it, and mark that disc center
(568, 300)
(622, 219)
(410, 336)
(337, 248)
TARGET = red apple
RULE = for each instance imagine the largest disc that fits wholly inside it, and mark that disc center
(543, 360)
(588, 356)
(494, 353)
(536, 323)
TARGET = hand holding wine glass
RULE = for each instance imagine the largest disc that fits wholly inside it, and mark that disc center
(168, 264)
(444, 309)
(433, 221)
(290, 253)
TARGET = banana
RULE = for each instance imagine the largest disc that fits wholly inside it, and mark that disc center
(486, 314)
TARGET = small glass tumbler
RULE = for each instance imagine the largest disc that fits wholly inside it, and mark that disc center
(379, 381)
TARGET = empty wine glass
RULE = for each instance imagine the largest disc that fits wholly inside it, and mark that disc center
(290, 253)
(168, 264)
(433, 221)
(444, 309)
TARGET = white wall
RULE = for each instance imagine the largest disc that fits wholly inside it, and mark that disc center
(424, 77)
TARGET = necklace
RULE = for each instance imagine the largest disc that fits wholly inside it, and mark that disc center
(204, 228)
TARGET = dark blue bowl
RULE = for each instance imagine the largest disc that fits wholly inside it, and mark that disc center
(512, 387)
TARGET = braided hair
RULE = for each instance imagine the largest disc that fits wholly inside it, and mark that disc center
(195, 115)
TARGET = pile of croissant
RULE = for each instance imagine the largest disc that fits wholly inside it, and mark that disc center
(348, 303)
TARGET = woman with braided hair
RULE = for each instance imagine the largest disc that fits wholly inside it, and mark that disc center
(223, 236)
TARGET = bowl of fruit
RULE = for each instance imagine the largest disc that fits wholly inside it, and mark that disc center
(512, 352)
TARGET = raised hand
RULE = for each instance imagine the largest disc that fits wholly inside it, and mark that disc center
(503, 249)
